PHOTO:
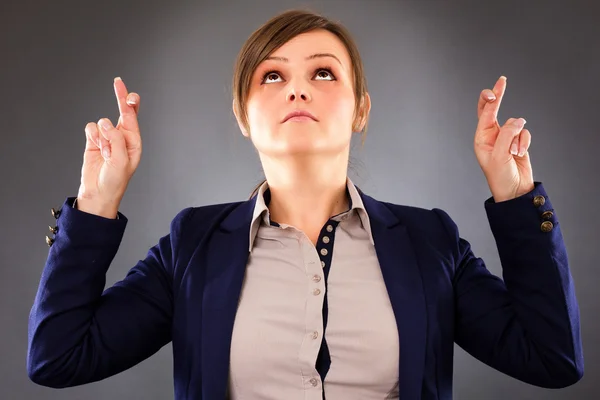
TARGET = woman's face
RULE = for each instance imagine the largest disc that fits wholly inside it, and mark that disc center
(312, 72)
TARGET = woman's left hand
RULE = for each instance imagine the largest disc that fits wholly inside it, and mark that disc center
(502, 152)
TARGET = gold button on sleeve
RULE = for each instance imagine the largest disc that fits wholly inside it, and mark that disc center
(539, 201)
(547, 214)
(547, 226)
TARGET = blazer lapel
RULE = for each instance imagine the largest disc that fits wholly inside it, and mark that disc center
(227, 256)
(404, 284)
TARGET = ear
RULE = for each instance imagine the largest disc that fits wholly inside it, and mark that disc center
(239, 121)
(363, 113)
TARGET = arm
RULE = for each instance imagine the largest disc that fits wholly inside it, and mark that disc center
(79, 333)
(526, 326)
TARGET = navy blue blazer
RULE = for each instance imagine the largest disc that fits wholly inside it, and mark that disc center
(187, 288)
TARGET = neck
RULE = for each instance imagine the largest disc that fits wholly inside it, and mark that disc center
(305, 193)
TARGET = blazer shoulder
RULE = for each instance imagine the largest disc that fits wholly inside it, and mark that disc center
(196, 218)
(433, 224)
(414, 216)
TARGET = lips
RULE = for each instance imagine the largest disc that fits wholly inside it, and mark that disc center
(299, 113)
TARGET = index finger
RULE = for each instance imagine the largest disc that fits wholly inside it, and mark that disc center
(489, 114)
(485, 97)
(128, 115)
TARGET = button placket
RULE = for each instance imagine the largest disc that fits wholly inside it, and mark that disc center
(309, 349)
(324, 248)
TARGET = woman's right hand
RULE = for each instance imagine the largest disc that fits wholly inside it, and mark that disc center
(112, 154)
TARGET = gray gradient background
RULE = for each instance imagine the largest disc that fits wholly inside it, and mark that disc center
(426, 62)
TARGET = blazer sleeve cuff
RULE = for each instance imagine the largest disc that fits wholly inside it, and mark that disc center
(80, 227)
(531, 211)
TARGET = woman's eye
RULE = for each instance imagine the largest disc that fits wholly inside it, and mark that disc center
(268, 76)
(325, 73)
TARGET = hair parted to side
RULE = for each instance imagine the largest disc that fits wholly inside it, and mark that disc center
(274, 34)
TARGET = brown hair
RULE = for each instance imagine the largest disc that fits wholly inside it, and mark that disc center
(274, 34)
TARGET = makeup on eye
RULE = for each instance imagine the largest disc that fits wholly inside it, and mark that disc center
(317, 70)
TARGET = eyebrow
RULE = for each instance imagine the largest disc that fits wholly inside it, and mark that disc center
(312, 57)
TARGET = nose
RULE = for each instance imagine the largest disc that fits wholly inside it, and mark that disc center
(297, 93)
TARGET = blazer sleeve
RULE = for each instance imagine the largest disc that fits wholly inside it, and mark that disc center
(526, 325)
(79, 332)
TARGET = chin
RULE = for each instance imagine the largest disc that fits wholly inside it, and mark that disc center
(297, 140)
(305, 148)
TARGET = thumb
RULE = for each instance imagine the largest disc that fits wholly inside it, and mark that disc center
(114, 148)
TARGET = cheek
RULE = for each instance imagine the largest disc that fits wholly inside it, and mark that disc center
(341, 107)
(257, 115)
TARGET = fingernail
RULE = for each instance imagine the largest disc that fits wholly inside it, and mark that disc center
(491, 97)
(520, 122)
(513, 149)
(521, 153)
(106, 152)
(131, 100)
(105, 124)
(118, 78)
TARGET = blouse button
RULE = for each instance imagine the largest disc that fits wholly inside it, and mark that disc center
(323, 264)
(324, 252)
(316, 292)
(315, 334)
(329, 228)
(325, 239)
(316, 278)
(314, 382)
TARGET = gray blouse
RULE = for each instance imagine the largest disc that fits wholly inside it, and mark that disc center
(279, 324)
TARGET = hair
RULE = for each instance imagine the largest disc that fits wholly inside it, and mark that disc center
(274, 34)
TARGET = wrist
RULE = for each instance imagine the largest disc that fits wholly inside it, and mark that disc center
(498, 198)
(92, 206)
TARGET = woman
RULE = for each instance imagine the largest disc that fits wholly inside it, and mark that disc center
(255, 297)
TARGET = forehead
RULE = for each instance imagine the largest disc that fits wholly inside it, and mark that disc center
(309, 43)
